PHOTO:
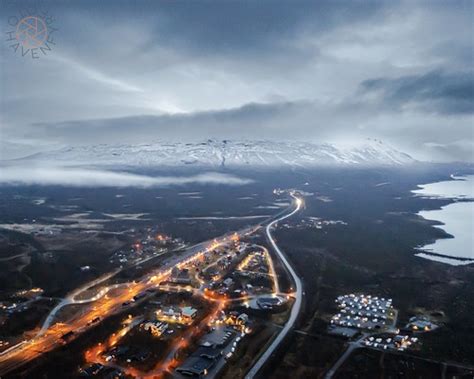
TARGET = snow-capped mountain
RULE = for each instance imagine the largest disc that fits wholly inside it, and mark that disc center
(232, 154)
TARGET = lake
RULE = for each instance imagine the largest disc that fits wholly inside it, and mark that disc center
(457, 219)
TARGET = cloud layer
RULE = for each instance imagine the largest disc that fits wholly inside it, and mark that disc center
(399, 71)
(436, 91)
(79, 177)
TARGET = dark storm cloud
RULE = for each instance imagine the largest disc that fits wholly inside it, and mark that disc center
(437, 91)
(214, 26)
(254, 25)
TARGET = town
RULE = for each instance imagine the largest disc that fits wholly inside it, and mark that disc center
(193, 313)
(193, 321)
(219, 308)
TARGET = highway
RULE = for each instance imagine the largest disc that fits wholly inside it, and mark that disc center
(71, 298)
(50, 336)
(295, 310)
(100, 306)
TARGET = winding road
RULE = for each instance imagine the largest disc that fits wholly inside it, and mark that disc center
(71, 298)
(49, 337)
(295, 310)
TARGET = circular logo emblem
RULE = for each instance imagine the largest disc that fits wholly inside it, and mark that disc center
(31, 32)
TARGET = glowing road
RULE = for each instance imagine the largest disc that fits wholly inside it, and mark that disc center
(70, 299)
(52, 336)
(295, 310)
(109, 301)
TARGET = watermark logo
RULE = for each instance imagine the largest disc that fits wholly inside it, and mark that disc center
(32, 33)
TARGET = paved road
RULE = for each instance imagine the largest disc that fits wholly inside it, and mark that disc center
(298, 297)
(50, 338)
(47, 339)
(71, 298)
(352, 346)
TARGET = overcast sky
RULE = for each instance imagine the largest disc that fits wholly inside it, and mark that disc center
(137, 71)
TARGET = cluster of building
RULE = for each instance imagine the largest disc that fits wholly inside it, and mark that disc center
(225, 262)
(20, 301)
(253, 273)
(359, 311)
(235, 319)
(10, 307)
(421, 324)
(97, 369)
(317, 223)
(29, 294)
(180, 276)
(362, 312)
(220, 343)
(255, 262)
(215, 277)
(120, 256)
(225, 330)
(147, 246)
(250, 276)
(155, 328)
(214, 273)
(125, 353)
(179, 315)
(269, 303)
(200, 362)
(398, 342)
(223, 288)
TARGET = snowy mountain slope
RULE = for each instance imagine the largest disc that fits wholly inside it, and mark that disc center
(226, 153)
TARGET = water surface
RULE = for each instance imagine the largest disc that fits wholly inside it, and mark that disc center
(457, 219)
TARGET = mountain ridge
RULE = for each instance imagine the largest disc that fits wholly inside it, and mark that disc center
(226, 153)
